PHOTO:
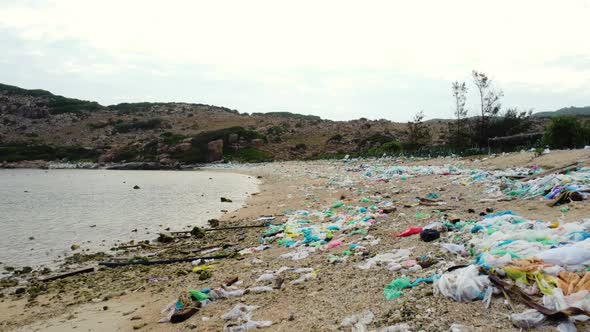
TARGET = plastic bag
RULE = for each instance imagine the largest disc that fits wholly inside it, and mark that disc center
(392, 259)
(266, 277)
(452, 248)
(528, 319)
(393, 290)
(462, 285)
(260, 289)
(410, 231)
(492, 261)
(570, 255)
(243, 313)
(396, 328)
(358, 322)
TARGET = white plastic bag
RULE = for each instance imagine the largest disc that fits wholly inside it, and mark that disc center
(570, 255)
(358, 322)
(528, 319)
(462, 285)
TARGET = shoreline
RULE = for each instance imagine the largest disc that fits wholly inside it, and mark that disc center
(337, 290)
(100, 245)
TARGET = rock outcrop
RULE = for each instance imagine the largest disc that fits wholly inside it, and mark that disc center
(215, 150)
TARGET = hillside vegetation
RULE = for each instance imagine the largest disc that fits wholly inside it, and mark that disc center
(36, 124)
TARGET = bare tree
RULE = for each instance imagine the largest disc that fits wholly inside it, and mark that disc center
(460, 95)
(489, 101)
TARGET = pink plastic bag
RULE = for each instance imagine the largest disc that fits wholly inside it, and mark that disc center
(410, 231)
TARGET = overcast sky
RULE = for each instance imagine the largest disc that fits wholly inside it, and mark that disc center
(336, 59)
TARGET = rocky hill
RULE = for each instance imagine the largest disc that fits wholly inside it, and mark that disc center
(575, 111)
(36, 124)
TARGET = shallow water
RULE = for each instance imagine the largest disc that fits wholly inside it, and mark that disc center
(97, 208)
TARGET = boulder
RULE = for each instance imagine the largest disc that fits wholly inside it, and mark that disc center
(106, 158)
(215, 150)
(183, 147)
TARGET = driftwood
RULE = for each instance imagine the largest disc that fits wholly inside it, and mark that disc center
(220, 229)
(562, 169)
(67, 274)
(192, 251)
(131, 246)
(529, 302)
(167, 261)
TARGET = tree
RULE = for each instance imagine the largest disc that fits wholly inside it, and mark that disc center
(418, 134)
(489, 102)
(460, 96)
(566, 132)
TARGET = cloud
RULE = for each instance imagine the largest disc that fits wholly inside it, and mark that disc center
(333, 54)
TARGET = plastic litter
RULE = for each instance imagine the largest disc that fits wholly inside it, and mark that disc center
(260, 289)
(392, 260)
(393, 290)
(242, 314)
(410, 231)
(303, 278)
(428, 235)
(460, 328)
(453, 248)
(528, 319)
(403, 327)
(569, 255)
(266, 277)
(358, 322)
(462, 285)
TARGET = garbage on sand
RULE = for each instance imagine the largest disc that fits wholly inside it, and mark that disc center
(359, 322)
(239, 318)
(394, 289)
(523, 258)
(306, 232)
(184, 307)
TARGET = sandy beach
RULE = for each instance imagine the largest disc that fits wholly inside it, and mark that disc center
(132, 297)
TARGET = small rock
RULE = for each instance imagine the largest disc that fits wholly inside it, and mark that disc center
(165, 238)
(75, 247)
(388, 210)
(31, 237)
(139, 326)
(225, 200)
(20, 290)
(105, 308)
(136, 187)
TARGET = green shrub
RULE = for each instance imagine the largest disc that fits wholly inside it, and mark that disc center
(125, 127)
(60, 105)
(566, 132)
(16, 152)
(248, 155)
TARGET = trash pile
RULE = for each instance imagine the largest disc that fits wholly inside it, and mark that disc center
(240, 317)
(306, 232)
(522, 259)
(550, 186)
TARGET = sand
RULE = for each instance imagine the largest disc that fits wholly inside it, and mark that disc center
(133, 303)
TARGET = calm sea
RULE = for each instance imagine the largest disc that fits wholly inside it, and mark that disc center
(44, 212)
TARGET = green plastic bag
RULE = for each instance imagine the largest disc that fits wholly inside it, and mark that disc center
(198, 295)
(393, 290)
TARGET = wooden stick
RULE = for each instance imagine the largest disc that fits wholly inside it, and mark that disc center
(67, 274)
(553, 170)
(223, 228)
